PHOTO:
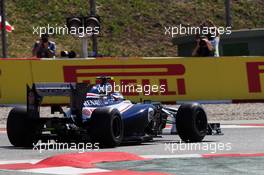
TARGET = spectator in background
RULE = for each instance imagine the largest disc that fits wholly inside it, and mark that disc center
(203, 48)
(207, 45)
(44, 48)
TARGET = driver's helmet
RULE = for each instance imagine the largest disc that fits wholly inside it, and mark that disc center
(94, 90)
(102, 89)
(117, 96)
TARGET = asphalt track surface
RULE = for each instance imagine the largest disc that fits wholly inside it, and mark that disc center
(239, 151)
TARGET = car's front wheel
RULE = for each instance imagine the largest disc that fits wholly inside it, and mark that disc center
(107, 127)
(191, 122)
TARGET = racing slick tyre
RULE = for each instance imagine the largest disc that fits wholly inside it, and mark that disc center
(107, 127)
(191, 122)
(21, 131)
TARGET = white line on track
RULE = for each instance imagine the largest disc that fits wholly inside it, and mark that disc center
(65, 170)
(240, 126)
(171, 156)
(228, 126)
(2, 162)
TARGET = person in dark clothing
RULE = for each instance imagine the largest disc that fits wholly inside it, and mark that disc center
(44, 48)
(203, 48)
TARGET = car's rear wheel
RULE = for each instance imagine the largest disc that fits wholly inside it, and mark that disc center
(107, 127)
(21, 130)
(191, 122)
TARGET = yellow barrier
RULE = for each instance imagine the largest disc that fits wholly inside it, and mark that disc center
(14, 75)
(180, 78)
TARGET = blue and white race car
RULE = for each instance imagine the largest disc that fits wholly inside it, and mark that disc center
(99, 117)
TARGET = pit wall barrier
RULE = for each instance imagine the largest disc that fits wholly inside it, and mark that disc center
(182, 79)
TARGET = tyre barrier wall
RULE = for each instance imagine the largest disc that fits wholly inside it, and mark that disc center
(182, 79)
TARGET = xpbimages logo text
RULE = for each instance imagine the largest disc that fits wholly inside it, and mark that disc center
(57, 146)
(173, 31)
(131, 88)
(64, 30)
(204, 146)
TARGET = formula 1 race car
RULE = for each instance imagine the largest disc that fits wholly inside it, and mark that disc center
(98, 117)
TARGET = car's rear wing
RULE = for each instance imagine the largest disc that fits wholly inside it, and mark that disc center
(76, 92)
(54, 89)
